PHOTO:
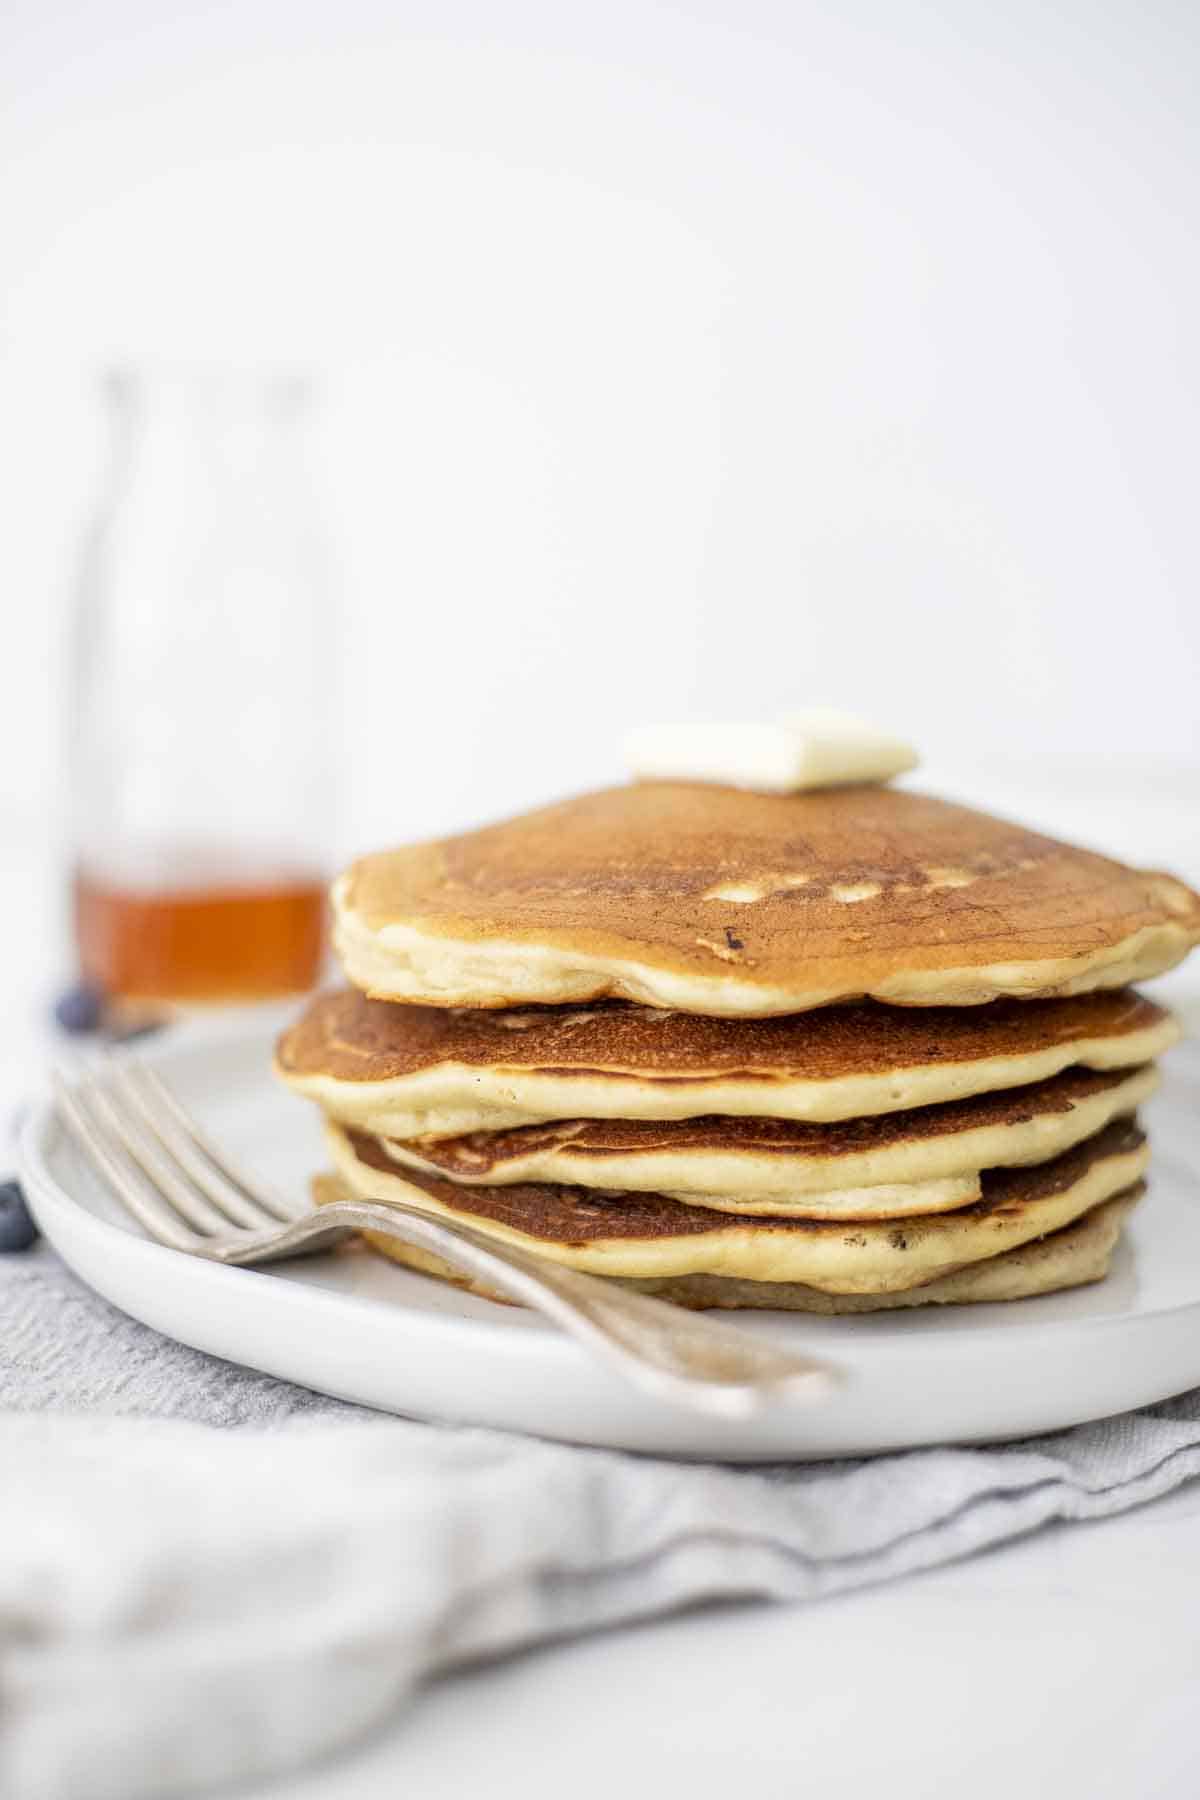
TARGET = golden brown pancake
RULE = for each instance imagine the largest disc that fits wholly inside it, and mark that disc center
(653, 1237)
(1073, 1257)
(895, 1165)
(1078, 1254)
(415, 1071)
(714, 900)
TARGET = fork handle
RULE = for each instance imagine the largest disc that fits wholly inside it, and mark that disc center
(662, 1349)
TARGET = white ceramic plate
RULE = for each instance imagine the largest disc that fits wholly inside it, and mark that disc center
(354, 1325)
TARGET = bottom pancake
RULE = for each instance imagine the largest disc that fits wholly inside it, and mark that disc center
(651, 1237)
(1077, 1255)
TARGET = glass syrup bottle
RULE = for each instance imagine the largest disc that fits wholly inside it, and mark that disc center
(204, 697)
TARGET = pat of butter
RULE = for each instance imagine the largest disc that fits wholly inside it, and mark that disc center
(815, 749)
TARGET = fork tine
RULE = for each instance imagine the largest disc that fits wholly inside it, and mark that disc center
(235, 1205)
(209, 1166)
(160, 1171)
(131, 1189)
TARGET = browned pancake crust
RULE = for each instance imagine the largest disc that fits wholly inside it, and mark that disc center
(1088, 1241)
(628, 873)
(350, 1038)
(475, 1153)
(572, 1215)
(704, 1291)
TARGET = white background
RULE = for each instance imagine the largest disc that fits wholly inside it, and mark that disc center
(699, 359)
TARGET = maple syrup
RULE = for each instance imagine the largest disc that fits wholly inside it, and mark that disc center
(231, 939)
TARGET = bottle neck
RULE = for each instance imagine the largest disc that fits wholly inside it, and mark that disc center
(201, 652)
(212, 429)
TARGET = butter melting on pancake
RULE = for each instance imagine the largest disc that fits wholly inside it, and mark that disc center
(651, 1237)
(893, 1166)
(714, 900)
(415, 1071)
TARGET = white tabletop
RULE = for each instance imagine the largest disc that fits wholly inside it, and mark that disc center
(1067, 1664)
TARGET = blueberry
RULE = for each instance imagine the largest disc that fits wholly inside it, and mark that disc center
(17, 1229)
(80, 1009)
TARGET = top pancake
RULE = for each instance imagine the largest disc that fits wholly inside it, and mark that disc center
(712, 900)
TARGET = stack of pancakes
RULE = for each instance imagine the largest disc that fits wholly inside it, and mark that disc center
(827, 1051)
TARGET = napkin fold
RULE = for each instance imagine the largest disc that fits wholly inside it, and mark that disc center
(207, 1575)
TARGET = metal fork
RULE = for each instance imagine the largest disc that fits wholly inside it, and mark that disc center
(186, 1193)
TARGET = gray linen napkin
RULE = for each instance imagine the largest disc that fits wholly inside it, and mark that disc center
(182, 1605)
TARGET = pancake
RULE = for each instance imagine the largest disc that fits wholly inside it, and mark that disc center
(1078, 1254)
(651, 1237)
(894, 1166)
(714, 900)
(414, 1072)
(1073, 1257)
